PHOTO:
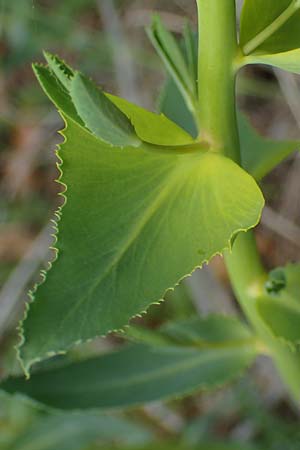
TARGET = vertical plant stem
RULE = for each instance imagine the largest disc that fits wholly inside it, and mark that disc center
(217, 115)
(216, 76)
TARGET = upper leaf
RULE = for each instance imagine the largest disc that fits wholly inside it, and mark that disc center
(270, 33)
(126, 211)
(174, 60)
(100, 115)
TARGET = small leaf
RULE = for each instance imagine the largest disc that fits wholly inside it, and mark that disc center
(276, 282)
(270, 33)
(171, 54)
(100, 115)
(134, 375)
(275, 21)
(56, 92)
(150, 127)
(207, 332)
(60, 69)
(260, 155)
(289, 61)
(288, 279)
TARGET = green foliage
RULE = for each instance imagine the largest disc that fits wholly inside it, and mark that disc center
(180, 69)
(148, 198)
(76, 431)
(100, 115)
(133, 206)
(137, 374)
(281, 309)
(270, 33)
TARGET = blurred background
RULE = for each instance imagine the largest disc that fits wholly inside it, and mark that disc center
(106, 40)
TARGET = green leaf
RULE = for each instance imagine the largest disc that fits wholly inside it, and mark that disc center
(172, 56)
(150, 127)
(191, 51)
(200, 332)
(270, 33)
(289, 61)
(282, 318)
(56, 92)
(60, 69)
(260, 155)
(207, 331)
(258, 15)
(172, 104)
(280, 310)
(75, 431)
(100, 115)
(127, 211)
(134, 375)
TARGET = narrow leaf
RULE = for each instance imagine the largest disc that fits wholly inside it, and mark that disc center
(207, 332)
(60, 69)
(270, 26)
(282, 318)
(100, 115)
(134, 375)
(270, 33)
(173, 59)
(56, 92)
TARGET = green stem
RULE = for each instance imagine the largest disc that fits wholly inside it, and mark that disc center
(248, 279)
(217, 114)
(218, 48)
(261, 37)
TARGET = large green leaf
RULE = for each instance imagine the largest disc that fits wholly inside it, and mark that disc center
(270, 33)
(75, 431)
(282, 318)
(207, 331)
(135, 375)
(257, 15)
(128, 210)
